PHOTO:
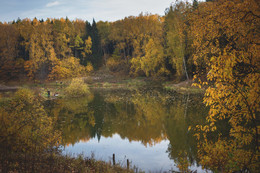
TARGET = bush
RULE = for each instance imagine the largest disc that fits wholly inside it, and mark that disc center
(77, 88)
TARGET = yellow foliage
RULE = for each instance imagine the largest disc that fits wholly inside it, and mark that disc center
(87, 47)
(225, 156)
(77, 88)
(152, 63)
(29, 68)
(225, 37)
(68, 68)
(89, 67)
(183, 162)
(25, 126)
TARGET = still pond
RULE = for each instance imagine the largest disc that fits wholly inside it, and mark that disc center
(148, 126)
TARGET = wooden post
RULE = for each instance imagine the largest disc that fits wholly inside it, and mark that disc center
(114, 160)
(127, 163)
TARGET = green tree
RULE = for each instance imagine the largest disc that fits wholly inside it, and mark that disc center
(96, 57)
(104, 31)
(176, 37)
(78, 45)
(195, 4)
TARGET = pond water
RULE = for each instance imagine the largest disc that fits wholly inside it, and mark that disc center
(147, 126)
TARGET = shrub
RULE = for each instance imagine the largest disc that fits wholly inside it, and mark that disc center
(77, 88)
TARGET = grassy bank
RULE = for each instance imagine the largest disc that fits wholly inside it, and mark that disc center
(44, 163)
(58, 88)
(101, 79)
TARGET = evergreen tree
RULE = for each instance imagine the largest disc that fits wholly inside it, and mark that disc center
(195, 4)
(18, 20)
(96, 57)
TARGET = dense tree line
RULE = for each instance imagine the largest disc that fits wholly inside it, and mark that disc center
(51, 49)
(174, 45)
(145, 45)
(148, 45)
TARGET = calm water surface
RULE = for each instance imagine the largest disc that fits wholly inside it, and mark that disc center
(147, 126)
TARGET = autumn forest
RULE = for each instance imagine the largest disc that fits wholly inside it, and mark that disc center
(214, 44)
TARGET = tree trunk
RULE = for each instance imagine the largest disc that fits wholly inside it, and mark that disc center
(185, 68)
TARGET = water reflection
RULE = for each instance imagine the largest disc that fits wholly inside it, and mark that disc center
(149, 126)
(148, 158)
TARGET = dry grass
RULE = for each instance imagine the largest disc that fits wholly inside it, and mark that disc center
(184, 87)
(48, 163)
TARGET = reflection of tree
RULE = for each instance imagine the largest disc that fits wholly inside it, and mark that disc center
(97, 106)
(73, 118)
(139, 118)
(183, 113)
(150, 111)
(148, 116)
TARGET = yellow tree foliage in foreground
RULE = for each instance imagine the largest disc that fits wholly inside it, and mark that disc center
(226, 38)
(25, 127)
